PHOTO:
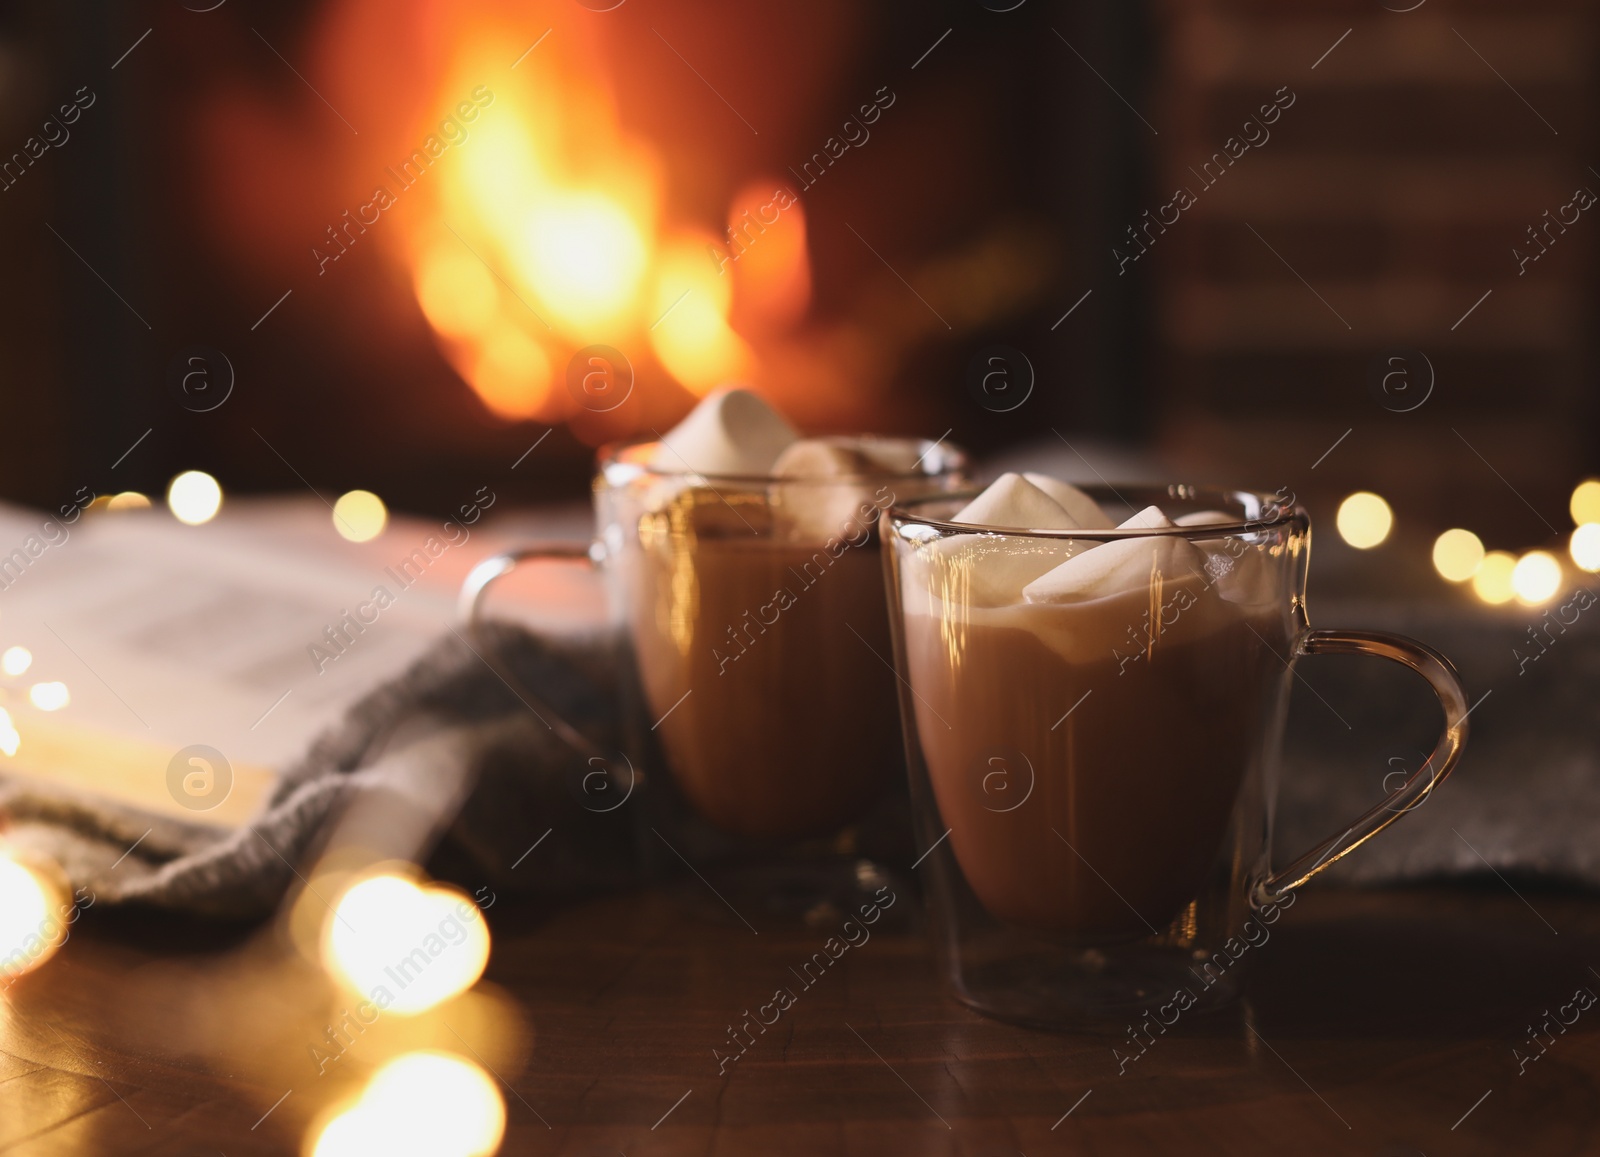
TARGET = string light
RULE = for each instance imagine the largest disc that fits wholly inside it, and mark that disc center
(16, 661)
(194, 497)
(1364, 520)
(1492, 582)
(49, 696)
(9, 739)
(1585, 546)
(360, 516)
(1536, 577)
(31, 926)
(427, 1103)
(1585, 504)
(1457, 555)
(403, 947)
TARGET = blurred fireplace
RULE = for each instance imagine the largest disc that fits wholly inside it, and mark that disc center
(232, 149)
(399, 291)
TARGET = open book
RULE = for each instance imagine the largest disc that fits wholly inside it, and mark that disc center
(201, 661)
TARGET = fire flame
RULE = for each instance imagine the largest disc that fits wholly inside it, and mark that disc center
(549, 233)
(535, 222)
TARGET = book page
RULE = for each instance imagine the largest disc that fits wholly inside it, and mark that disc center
(248, 636)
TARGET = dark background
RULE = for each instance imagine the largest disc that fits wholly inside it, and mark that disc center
(1019, 151)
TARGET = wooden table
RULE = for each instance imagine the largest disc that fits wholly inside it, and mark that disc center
(1381, 1023)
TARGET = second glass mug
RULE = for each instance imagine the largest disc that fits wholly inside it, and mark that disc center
(756, 621)
(1093, 778)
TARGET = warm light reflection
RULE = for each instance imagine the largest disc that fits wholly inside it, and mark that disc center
(512, 374)
(765, 255)
(128, 500)
(1536, 577)
(584, 258)
(1457, 555)
(359, 516)
(690, 331)
(545, 233)
(194, 497)
(16, 661)
(425, 1103)
(1492, 583)
(31, 925)
(49, 696)
(10, 741)
(1364, 520)
(1585, 547)
(1585, 504)
(456, 291)
(403, 947)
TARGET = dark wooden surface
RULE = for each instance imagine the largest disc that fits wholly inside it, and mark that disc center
(1380, 1023)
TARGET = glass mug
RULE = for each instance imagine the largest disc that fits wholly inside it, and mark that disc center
(1093, 778)
(758, 635)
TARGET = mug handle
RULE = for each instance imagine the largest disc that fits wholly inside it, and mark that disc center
(469, 608)
(1441, 676)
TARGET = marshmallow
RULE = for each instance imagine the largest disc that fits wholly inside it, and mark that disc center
(1011, 502)
(820, 458)
(1244, 576)
(1207, 518)
(1084, 510)
(900, 455)
(732, 431)
(990, 571)
(1251, 578)
(1129, 564)
(830, 497)
(871, 473)
(866, 454)
(1150, 518)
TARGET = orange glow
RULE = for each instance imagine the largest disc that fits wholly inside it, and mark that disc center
(511, 373)
(690, 333)
(32, 923)
(457, 293)
(547, 231)
(584, 257)
(766, 255)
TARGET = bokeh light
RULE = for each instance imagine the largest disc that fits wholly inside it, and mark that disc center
(512, 375)
(31, 927)
(194, 497)
(404, 947)
(690, 333)
(1492, 583)
(1536, 577)
(360, 516)
(49, 696)
(1585, 546)
(10, 741)
(584, 256)
(1585, 504)
(16, 660)
(456, 291)
(424, 1103)
(128, 500)
(1364, 520)
(1457, 555)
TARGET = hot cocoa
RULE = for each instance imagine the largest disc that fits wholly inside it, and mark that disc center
(774, 654)
(751, 580)
(1087, 710)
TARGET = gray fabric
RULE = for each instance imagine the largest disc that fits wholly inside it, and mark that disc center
(448, 720)
(1524, 801)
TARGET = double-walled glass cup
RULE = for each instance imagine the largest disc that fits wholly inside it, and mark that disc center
(755, 617)
(1093, 749)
